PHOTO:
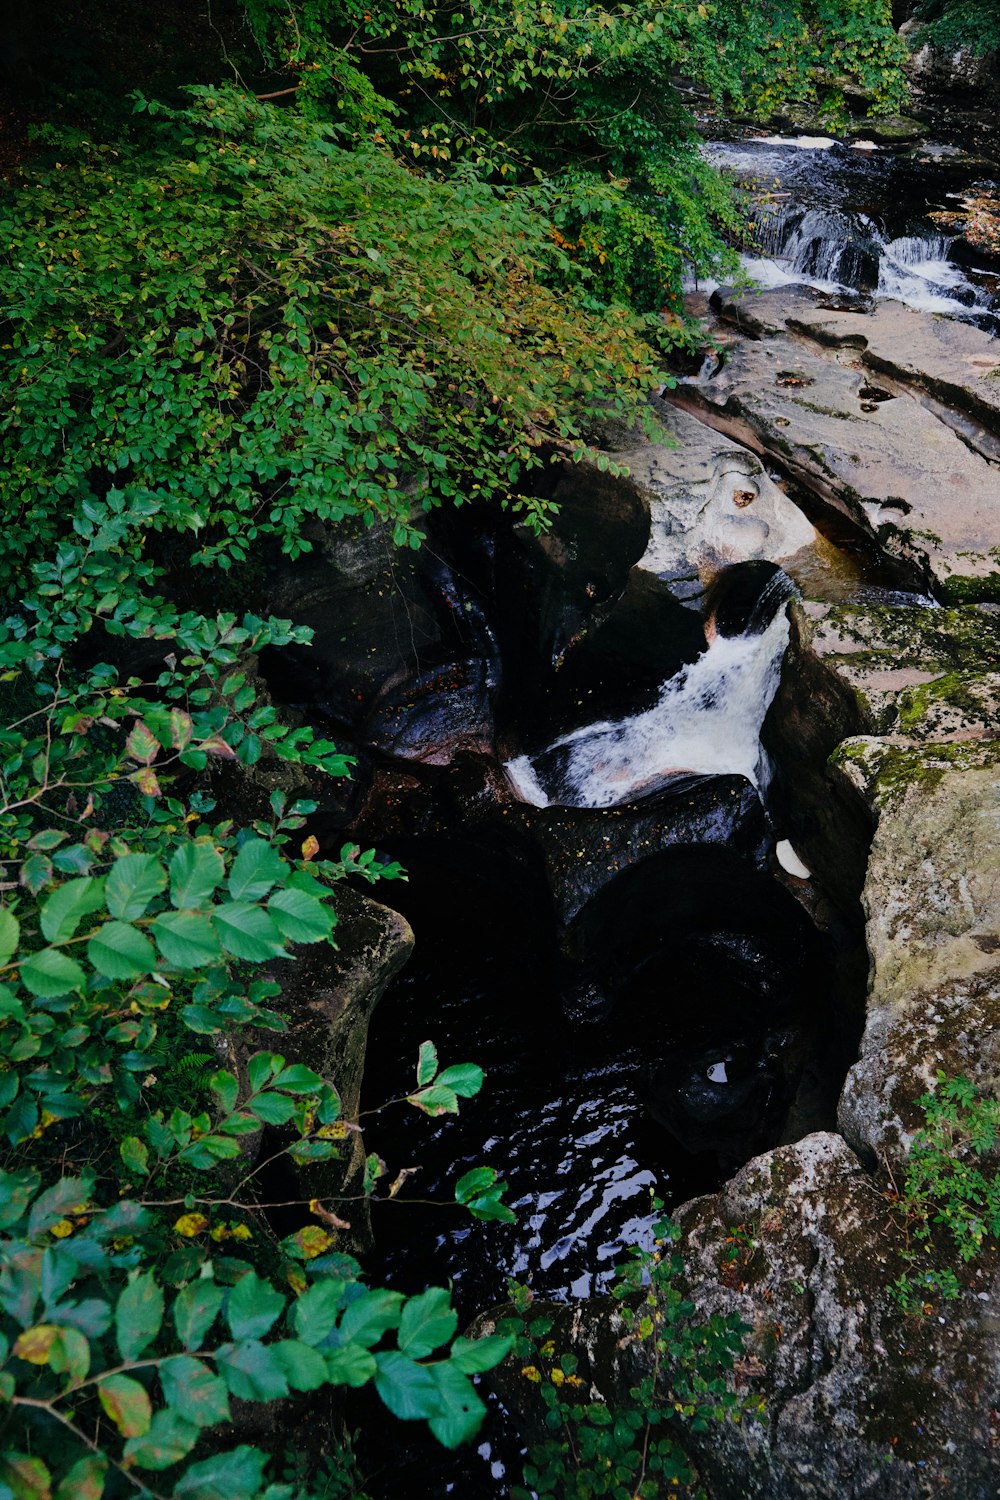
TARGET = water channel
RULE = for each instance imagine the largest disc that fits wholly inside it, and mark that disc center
(646, 1032)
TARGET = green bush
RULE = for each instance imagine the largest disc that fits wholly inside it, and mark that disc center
(954, 25)
(949, 1206)
(633, 1449)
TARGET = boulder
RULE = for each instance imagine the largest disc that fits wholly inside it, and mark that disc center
(932, 897)
(585, 849)
(711, 503)
(951, 70)
(914, 673)
(402, 656)
(858, 1400)
(327, 998)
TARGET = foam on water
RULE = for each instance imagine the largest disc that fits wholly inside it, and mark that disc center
(708, 719)
(818, 230)
(799, 142)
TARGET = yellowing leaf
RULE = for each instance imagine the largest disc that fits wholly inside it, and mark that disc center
(35, 1343)
(312, 1241)
(191, 1224)
(310, 847)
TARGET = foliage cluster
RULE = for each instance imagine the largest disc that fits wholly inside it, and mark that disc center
(251, 328)
(956, 25)
(583, 99)
(133, 920)
(633, 1449)
(949, 1205)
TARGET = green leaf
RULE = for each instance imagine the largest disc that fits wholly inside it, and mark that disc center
(66, 908)
(461, 1411)
(350, 1365)
(196, 870)
(304, 1366)
(474, 1356)
(85, 1480)
(428, 1321)
(195, 1310)
(224, 1476)
(49, 973)
(225, 1086)
(135, 1155)
(141, 744)
(247, 932)
(298, 1079)
(471, 1184)
(300, 918)
(406, 1388)
(369, 1316)
(131, 885)
(488, 1207)
(261, 1067)
(120, 951)
(253, 1307)
(435, 1100)
(67, 1196)
(35, 873)
(427, 1062)
(138, 1315)
(181, 729)
(252, 1372)
(315, 1312)
(21, 1119)
(186, 939)
(70, 1354)
(256, 869)
(127, 1404)
(464, 1079)
(10, 934)
(272, 1109)
(168, 1440)
(190, 1389)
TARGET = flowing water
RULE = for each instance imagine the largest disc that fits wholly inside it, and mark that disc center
(845, 220)
(708, 719)
(728, 1024)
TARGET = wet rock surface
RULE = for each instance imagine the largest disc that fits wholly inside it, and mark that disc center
(889, 466)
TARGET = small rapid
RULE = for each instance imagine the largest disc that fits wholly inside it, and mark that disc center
(857, 222)
(707, 719)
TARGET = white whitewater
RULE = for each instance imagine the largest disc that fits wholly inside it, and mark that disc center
(708, 719)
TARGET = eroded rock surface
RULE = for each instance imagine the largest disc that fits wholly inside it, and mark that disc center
(886, 418)
(711, 503)
(885, 463)
(858, 1400)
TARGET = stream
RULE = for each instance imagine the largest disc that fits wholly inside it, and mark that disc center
(858, 219)
(610, 915)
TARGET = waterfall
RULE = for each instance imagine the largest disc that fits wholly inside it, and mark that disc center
(915, 269)
(837, 251)
(819, 245)
(708, 719)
